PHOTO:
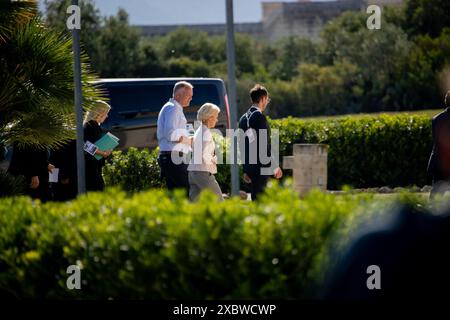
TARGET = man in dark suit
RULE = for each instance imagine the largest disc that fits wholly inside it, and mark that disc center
(257, 131)
(65, 158)
(32, 163)
(439, 162)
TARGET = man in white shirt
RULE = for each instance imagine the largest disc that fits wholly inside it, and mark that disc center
(173, 137)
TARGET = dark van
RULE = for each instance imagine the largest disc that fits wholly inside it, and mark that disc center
(135, 104)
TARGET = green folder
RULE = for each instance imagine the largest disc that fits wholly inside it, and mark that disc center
(107, 142)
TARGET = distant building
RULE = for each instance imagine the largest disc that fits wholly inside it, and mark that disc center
(254, 29)
(304, 18)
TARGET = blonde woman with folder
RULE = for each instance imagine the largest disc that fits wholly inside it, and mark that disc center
(92, 133)
(203, 165)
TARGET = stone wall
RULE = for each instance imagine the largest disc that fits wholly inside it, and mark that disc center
(309, 166)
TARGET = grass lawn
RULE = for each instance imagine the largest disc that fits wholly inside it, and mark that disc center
(428, 112)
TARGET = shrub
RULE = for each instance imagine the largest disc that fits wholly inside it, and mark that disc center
(137, 170)
(223, 175)
(134, 170)
(367, 151)
(153, 246)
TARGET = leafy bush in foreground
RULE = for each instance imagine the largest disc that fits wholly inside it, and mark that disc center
(154, 245)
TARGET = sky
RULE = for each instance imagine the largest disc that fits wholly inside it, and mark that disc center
(166, 12)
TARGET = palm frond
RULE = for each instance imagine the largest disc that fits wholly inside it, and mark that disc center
(37, 90)
(14, 14)
(44, 128)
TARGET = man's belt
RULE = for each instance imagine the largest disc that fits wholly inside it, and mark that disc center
(181, 154)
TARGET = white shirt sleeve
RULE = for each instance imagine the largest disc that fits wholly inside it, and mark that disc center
(175, 125)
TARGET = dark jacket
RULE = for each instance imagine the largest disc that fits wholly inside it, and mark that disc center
(30, 162)
(65, 159)
(94, 179)
(254, 119)
(439, 162)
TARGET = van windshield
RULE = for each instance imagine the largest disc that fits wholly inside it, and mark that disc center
(131, 100)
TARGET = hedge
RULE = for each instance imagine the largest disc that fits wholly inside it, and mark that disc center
(134, 170)
(368, 151)
(137, 170)
(153, 245)
(365, 152)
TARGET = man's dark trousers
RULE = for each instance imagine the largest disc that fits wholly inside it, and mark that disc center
(258, 182)
(176, 175)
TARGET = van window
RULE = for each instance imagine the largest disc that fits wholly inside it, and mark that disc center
(205, 93)
(129, 100)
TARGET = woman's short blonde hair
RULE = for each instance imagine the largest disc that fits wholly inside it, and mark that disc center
(206, 111)
(99, 108)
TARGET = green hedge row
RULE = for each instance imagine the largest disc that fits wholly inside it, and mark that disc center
(137, 170)
(152, 245)
(134, 170)
(365, 151)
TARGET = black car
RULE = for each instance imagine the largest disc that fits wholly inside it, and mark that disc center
(135, 104)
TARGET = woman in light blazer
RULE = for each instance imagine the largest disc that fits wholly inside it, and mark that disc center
(203, 165)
